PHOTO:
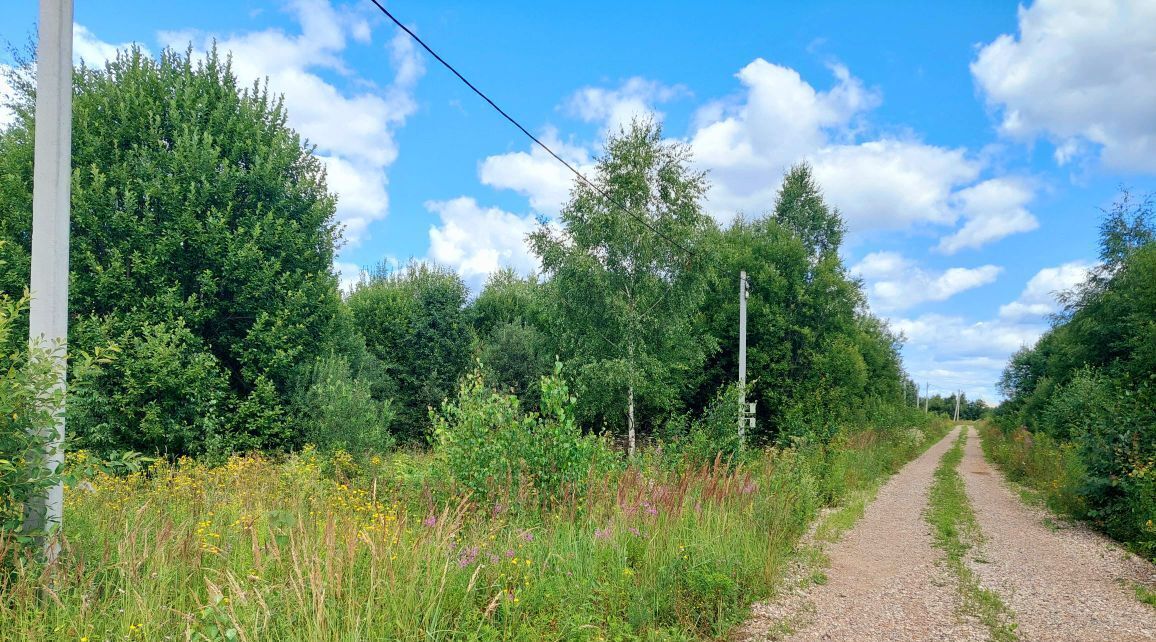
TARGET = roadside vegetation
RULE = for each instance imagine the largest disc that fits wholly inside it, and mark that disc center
(257, 455)
(1079, 423)
(957, 532)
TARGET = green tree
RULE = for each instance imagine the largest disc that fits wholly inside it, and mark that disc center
(202, 243)
(414, 322)
(625, 295)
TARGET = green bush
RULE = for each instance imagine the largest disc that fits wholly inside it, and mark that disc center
(491, 447)
(337, 409)
(698, 440)
(25, 384)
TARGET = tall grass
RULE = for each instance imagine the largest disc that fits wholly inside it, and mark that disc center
(308, 548)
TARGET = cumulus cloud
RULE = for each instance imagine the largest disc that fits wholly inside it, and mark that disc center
(1082, 74)
(748, 141)
(353, 129)
(894, 282)
(537, 175)
(6, 94)
(992, 210)
(885, 183)
(1040, 296)
(892, 184)
(950, 352)
(93, 51)
(616, 108)
(478, 240)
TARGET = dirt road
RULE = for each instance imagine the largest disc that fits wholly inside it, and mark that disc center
(1064, 582)
(887, 580)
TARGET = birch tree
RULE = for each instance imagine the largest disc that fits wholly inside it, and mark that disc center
(626, 287)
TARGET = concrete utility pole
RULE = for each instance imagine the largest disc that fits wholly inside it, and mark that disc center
(742, 356)
(956, 405)
(51, 194)
(926, 398)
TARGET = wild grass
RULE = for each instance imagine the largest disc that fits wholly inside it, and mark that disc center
(956, 531)
(313, 548)
(1051, 471)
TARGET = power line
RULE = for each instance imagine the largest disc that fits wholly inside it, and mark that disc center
(532, 137)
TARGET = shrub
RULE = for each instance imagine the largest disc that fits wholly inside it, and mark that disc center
(714, 434)
(488, 442)
(337, 409)
(26, 382)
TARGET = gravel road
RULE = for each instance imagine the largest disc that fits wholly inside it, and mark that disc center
(884, 582)
(1064, 582)
(887, 581)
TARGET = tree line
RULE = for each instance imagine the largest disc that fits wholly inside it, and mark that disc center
(203, 236)
(1089, 385)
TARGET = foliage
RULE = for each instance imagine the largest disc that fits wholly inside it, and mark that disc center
(27, 381)
(274, 549)
(338, 410)
(698, 440)
(817, 354)
(202, 242)
(415, 324)
(624, 296)
(1087, 389)
(490, 446)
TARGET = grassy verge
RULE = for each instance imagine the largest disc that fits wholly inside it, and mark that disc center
(307, 548)
(957, 532)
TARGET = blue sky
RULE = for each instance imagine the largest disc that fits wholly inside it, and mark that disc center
(969, 145)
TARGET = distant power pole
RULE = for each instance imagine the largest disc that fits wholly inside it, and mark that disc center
(743, 414)
(51, 194)
(926, 398)
(956, 406)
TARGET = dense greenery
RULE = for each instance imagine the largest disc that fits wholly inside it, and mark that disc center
(1086, 393)
(280, 505)
(279, 549)
(202, 244)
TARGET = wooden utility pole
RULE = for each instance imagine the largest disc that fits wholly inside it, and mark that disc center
(926, 398)
(51, 195)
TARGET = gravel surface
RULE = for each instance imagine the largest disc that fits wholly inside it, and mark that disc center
(1064, 582)
(885, 581)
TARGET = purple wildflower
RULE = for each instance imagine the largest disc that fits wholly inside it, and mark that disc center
(430, 521)
(468, 557)
(528, 536)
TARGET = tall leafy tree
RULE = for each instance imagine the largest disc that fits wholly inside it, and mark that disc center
(414, 322)
(626, 293)
(800, 208)
(202, 243)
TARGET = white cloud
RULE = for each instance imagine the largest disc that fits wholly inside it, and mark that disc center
(354, 130)
(478, 240)
(896, 283)
(537, 175)
(1078, 72)
(887, 183)
(892, 184)
(950, 352)
(93, 51)
(6, 94)
(747, 143)
(615, 108)
(1039, 297)
(992, 210)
